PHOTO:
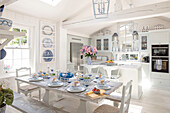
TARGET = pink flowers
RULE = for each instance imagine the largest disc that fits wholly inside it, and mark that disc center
(88, 51)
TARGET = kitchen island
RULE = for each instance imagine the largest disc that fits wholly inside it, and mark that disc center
(127, 72)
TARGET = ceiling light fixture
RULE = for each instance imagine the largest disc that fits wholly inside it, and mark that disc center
(51, 2)
(101, 8)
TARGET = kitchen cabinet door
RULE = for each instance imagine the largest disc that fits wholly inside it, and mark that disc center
(105, 44)
(144, 44)
(99, 44)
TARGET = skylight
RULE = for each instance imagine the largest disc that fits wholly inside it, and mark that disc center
(51, 2)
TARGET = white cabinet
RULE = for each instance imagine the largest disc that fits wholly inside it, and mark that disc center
(103, 43)
(159, 36)
(160, 79)
(144, 41)
(160, 83)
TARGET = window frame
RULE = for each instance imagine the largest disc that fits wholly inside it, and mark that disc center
(21, 27)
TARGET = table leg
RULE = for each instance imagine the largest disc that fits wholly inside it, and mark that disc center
(50, 96)
(46, 97)
(82, 106)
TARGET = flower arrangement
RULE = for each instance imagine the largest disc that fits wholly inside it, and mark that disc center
(6, 97)
(88, 51)
(6, 68)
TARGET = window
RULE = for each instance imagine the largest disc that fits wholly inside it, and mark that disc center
(18, 51)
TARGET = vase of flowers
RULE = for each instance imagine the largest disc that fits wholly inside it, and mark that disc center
(89, 52)
(6, 98)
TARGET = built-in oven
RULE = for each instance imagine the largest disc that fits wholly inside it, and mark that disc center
(160, 58)
(160, 64)
(160, 50)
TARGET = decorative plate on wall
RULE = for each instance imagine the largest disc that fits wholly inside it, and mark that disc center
(47, 43)
(48, 54)
(3, 54)
(47, 30)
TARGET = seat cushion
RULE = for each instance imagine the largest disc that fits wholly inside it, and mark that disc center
(115, 97)
(106, 109)
(28, 87)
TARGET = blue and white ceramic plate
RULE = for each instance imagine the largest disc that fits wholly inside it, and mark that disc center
(47, 43)
(103, 86)
(76, 89)
(55, 84)
(47, 30)
(3, 54)
(48, 54)
(5, 24)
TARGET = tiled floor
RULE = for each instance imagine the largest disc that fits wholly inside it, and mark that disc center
(154, 100)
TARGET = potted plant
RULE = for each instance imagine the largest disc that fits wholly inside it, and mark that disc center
(89, 52)
(6, 98)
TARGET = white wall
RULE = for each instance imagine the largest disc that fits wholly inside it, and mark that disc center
(34, 24)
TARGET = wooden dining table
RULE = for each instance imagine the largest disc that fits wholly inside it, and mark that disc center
(84, 99)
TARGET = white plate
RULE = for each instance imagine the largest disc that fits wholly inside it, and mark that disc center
(35, 79)
(55, 84)
(76, 89)
(105, 87)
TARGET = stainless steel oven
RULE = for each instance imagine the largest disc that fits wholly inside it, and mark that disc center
(160, 58)
(160, 64)
(160, 50)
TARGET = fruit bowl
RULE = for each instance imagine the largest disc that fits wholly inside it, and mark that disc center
(96, 91)
(5, 24)
(109, 64)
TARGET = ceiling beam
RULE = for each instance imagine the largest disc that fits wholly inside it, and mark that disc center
(7, 2)
(148, 11)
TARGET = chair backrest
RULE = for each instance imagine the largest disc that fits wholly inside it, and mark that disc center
(126, 97)
(23, 70)
(115, 73)
(102, 71)
(23, 74)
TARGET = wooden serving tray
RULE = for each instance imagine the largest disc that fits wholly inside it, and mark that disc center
(93, 96)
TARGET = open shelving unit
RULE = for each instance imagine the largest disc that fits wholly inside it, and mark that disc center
(9, 35)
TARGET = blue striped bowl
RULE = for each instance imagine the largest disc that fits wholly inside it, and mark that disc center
(5, 24)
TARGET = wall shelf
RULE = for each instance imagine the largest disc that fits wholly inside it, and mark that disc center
(9, 35)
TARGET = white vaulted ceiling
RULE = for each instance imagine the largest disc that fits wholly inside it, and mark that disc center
(68, 10)
(62, 11)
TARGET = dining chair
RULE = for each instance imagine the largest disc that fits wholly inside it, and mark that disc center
(115, 74)
(125, 101)
(26, 88)
(102, 71)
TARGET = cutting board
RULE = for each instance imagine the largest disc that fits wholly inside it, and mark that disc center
(93, 96)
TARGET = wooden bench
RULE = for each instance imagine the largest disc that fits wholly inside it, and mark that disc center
(28, 105)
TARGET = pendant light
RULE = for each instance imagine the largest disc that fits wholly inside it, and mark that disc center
(101, 8)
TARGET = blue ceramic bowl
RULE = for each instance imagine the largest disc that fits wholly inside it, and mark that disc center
(5, 24)
(96, 92)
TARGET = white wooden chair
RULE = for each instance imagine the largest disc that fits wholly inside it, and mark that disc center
(115, 74)
(26, 88)
(102, 71)
(125, 101)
